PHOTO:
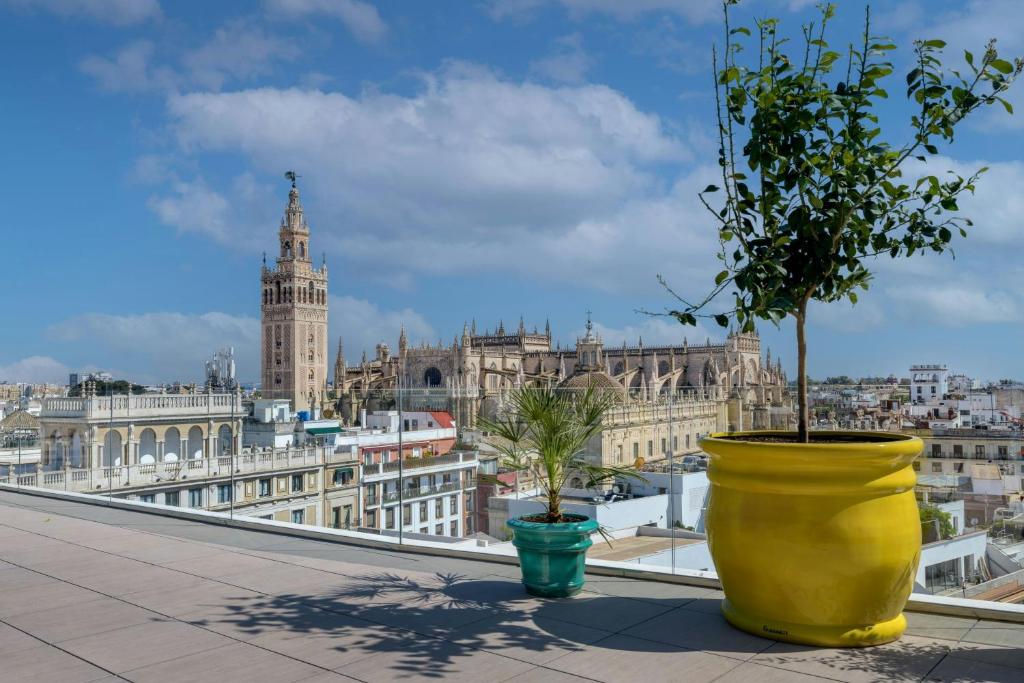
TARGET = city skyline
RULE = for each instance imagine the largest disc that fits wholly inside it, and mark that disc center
(491, 161)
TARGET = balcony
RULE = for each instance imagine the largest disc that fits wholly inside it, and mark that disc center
(138, 407)
(438, 462)
(194, 599)
(421, 492)
(101, 478)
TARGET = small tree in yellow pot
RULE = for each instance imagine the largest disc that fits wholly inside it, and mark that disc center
(815, 535)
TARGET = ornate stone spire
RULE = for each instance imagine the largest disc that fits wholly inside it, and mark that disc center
(403, 342)
(547, 327)
(501, 328)
(522, 327)
(293, 216)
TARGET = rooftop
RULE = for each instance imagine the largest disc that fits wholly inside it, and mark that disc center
(96, 593)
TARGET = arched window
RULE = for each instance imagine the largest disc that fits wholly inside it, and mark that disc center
(172, 444)
(224, 438)
(432, 377)
(277, 286)
(302, 250)
(195, 442)
(147, 446)
(286, 249)
(312, 293)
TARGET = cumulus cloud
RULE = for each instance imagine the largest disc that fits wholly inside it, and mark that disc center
(568, 63)
(130, 69)
(168, 346)
(956, 305)
(193, 207)
(363, 324)
(164, 347)
(116, 12)
(35, 370)
(967, 25)
(360, 18)
(472, 169)
(996, 208)
(243, 216)
(694, 11)
(652, 330)
(239, 50)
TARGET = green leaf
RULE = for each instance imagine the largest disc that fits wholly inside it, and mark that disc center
(1006, 105)
(931, 149)
(710, 188)
(722, 320)
(1002, 66)
(935, 43)
(853, 298)
(720, 278)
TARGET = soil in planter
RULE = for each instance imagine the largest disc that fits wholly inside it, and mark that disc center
(542, 518)
(791, 437)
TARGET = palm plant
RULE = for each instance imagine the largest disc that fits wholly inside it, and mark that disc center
(545, 432)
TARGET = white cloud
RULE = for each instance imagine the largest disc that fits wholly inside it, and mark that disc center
(128, 70)
(568, 63)
(694, 11)
(996, 207)
(956, 305)
(845, 317)
(164, 347)
(116, 12)
(193, 207)
(243, 217)
(362, 324)
(558, 182)
(238, 50)
(653, 331)
(967, 25)
(35, 370)
(360, 18)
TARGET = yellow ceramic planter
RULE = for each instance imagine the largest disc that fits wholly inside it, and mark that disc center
(815, 543)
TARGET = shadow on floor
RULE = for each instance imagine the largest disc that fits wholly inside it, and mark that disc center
(428, 626)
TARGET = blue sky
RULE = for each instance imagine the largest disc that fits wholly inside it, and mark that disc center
(484, 159)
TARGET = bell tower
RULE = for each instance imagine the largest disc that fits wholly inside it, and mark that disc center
(294, 315)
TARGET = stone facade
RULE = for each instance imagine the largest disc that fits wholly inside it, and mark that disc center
(474, 372)
(113, 431)
(294, 317)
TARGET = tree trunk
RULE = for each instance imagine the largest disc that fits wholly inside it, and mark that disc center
(801, 375)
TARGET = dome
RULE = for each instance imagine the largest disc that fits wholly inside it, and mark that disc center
(594, 379)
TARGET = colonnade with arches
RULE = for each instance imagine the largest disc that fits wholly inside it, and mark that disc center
(79, 446)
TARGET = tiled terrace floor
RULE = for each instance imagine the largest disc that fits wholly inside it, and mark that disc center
(93, 594)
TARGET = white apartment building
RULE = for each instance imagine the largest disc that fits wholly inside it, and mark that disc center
(952, 401)
(428, 489)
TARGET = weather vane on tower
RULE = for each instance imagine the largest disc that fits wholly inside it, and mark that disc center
(291, 175)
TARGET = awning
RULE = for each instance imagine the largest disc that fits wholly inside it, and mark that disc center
(317, 431)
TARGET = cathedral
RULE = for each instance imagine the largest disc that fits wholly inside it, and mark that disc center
(471, 375)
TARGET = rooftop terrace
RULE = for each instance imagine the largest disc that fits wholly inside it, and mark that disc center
(91, 593)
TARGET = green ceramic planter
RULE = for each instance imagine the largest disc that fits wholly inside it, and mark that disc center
(552, 556)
